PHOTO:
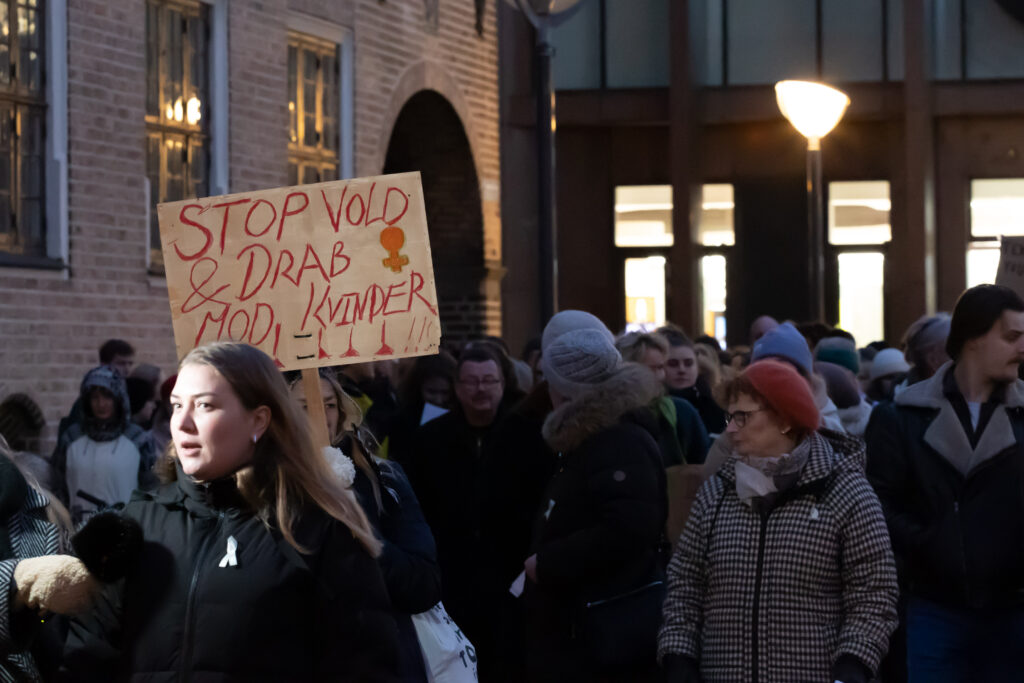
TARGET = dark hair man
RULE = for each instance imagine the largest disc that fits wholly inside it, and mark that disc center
(947, 460)
(118, 355)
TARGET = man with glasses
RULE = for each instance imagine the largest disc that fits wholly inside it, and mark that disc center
(445, 465)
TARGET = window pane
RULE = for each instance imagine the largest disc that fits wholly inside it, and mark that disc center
(197, 168)
(28, 38)
(577, 44)
(716, 216)
(645, 292)
(5, 42)
(293, 94)
(309, 108)
(994, 41)
(712, 275)
(858, 212)
(152, 60)
(946, 32)
(8, 239)
(331, 103)
(155, 197)
(637, 48)
(174, 169)
(310, 175)
(293, 173)
(328, 173)
(997, 207)
(851, 40)
(982, 263)
(706, 39)
(173, 67)
(643, 216)
(770, 41)
(197, 62)
(861, 303)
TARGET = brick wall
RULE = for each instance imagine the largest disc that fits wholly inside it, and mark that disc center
(51, 325)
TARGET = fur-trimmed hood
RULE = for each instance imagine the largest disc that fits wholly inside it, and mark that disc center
(632, 386)
(945, 433)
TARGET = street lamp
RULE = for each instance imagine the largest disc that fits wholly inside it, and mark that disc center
(814, 109)
(545, 15)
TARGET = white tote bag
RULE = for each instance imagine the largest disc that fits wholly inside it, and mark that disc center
(447, 653)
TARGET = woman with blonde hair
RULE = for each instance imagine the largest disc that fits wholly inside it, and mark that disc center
(408, 556)
(258, 563)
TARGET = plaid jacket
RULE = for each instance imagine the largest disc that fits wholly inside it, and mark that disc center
(778, 599)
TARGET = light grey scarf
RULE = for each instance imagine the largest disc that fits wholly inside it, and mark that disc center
(758, 477)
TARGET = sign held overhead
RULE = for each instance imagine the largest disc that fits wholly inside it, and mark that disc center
(313, 275)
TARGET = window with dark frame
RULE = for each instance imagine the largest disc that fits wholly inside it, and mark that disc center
(177, 110)
(22, 112)
(314, 101)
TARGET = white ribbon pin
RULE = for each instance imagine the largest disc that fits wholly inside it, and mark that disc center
(231, 559)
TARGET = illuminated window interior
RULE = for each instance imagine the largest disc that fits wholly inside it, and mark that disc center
(997, 210)
(645, 293)
(858, 212)
(716, 216)
(643, 216)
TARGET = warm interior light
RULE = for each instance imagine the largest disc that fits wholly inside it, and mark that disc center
(814, 109)
(193, 111)
(179, 110)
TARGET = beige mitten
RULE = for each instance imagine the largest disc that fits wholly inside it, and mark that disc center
(55, 583)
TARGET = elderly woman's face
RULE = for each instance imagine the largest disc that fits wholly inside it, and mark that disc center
(755, 430)
(212, 431)
(331, 408)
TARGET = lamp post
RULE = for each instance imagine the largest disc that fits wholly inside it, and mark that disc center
(814, 109)
(543, 16)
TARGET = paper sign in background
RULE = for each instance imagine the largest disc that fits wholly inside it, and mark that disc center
(313, 275)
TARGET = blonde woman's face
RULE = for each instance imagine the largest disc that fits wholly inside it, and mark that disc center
(331, 408)
(212, 431)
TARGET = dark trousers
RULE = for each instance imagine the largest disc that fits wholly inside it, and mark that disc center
(957, 645)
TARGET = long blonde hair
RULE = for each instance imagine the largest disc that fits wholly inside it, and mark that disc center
(286, 469)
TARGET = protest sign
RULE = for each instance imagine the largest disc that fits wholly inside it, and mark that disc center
(313, 275)
(1011, 264)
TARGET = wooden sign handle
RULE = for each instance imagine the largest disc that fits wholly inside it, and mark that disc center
(315, 408)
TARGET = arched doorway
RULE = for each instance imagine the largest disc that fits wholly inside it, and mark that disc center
(429, 137)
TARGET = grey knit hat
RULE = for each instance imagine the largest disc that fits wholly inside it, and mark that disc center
(579, 359)
(565, 321)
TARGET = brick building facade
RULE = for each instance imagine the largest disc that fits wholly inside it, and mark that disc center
(417, 90)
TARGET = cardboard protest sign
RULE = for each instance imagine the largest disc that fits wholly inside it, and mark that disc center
(313, 275)
(1011, 264)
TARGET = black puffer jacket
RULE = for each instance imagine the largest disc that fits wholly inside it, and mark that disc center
(599, 532)
(955, 513)
(185, 614)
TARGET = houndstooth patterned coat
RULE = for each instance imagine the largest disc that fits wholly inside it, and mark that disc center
(778, 599)
(31, 535)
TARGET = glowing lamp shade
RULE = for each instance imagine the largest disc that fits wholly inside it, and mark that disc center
(814, 109)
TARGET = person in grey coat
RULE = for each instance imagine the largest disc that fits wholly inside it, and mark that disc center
(784, 571)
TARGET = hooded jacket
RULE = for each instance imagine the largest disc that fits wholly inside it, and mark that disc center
(804, 591)
(105, 458)
(186, 612)
(600, 528)
(955, 513)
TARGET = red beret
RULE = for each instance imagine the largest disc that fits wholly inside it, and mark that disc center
(785, 392)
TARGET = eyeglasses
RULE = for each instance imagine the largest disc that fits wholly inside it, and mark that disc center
(740, 417)
(476, 383)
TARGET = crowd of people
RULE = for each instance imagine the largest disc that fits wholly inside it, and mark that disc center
(637, 507)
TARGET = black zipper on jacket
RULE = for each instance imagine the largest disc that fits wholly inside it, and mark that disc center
(188, 636)
(757, 594)
(963, 550)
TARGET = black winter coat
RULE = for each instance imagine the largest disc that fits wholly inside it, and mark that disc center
(408, 559)
(599, 533)
(445, 474)
(958, 535)
(183, 613)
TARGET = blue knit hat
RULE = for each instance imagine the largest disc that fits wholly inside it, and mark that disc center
(784, 342)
